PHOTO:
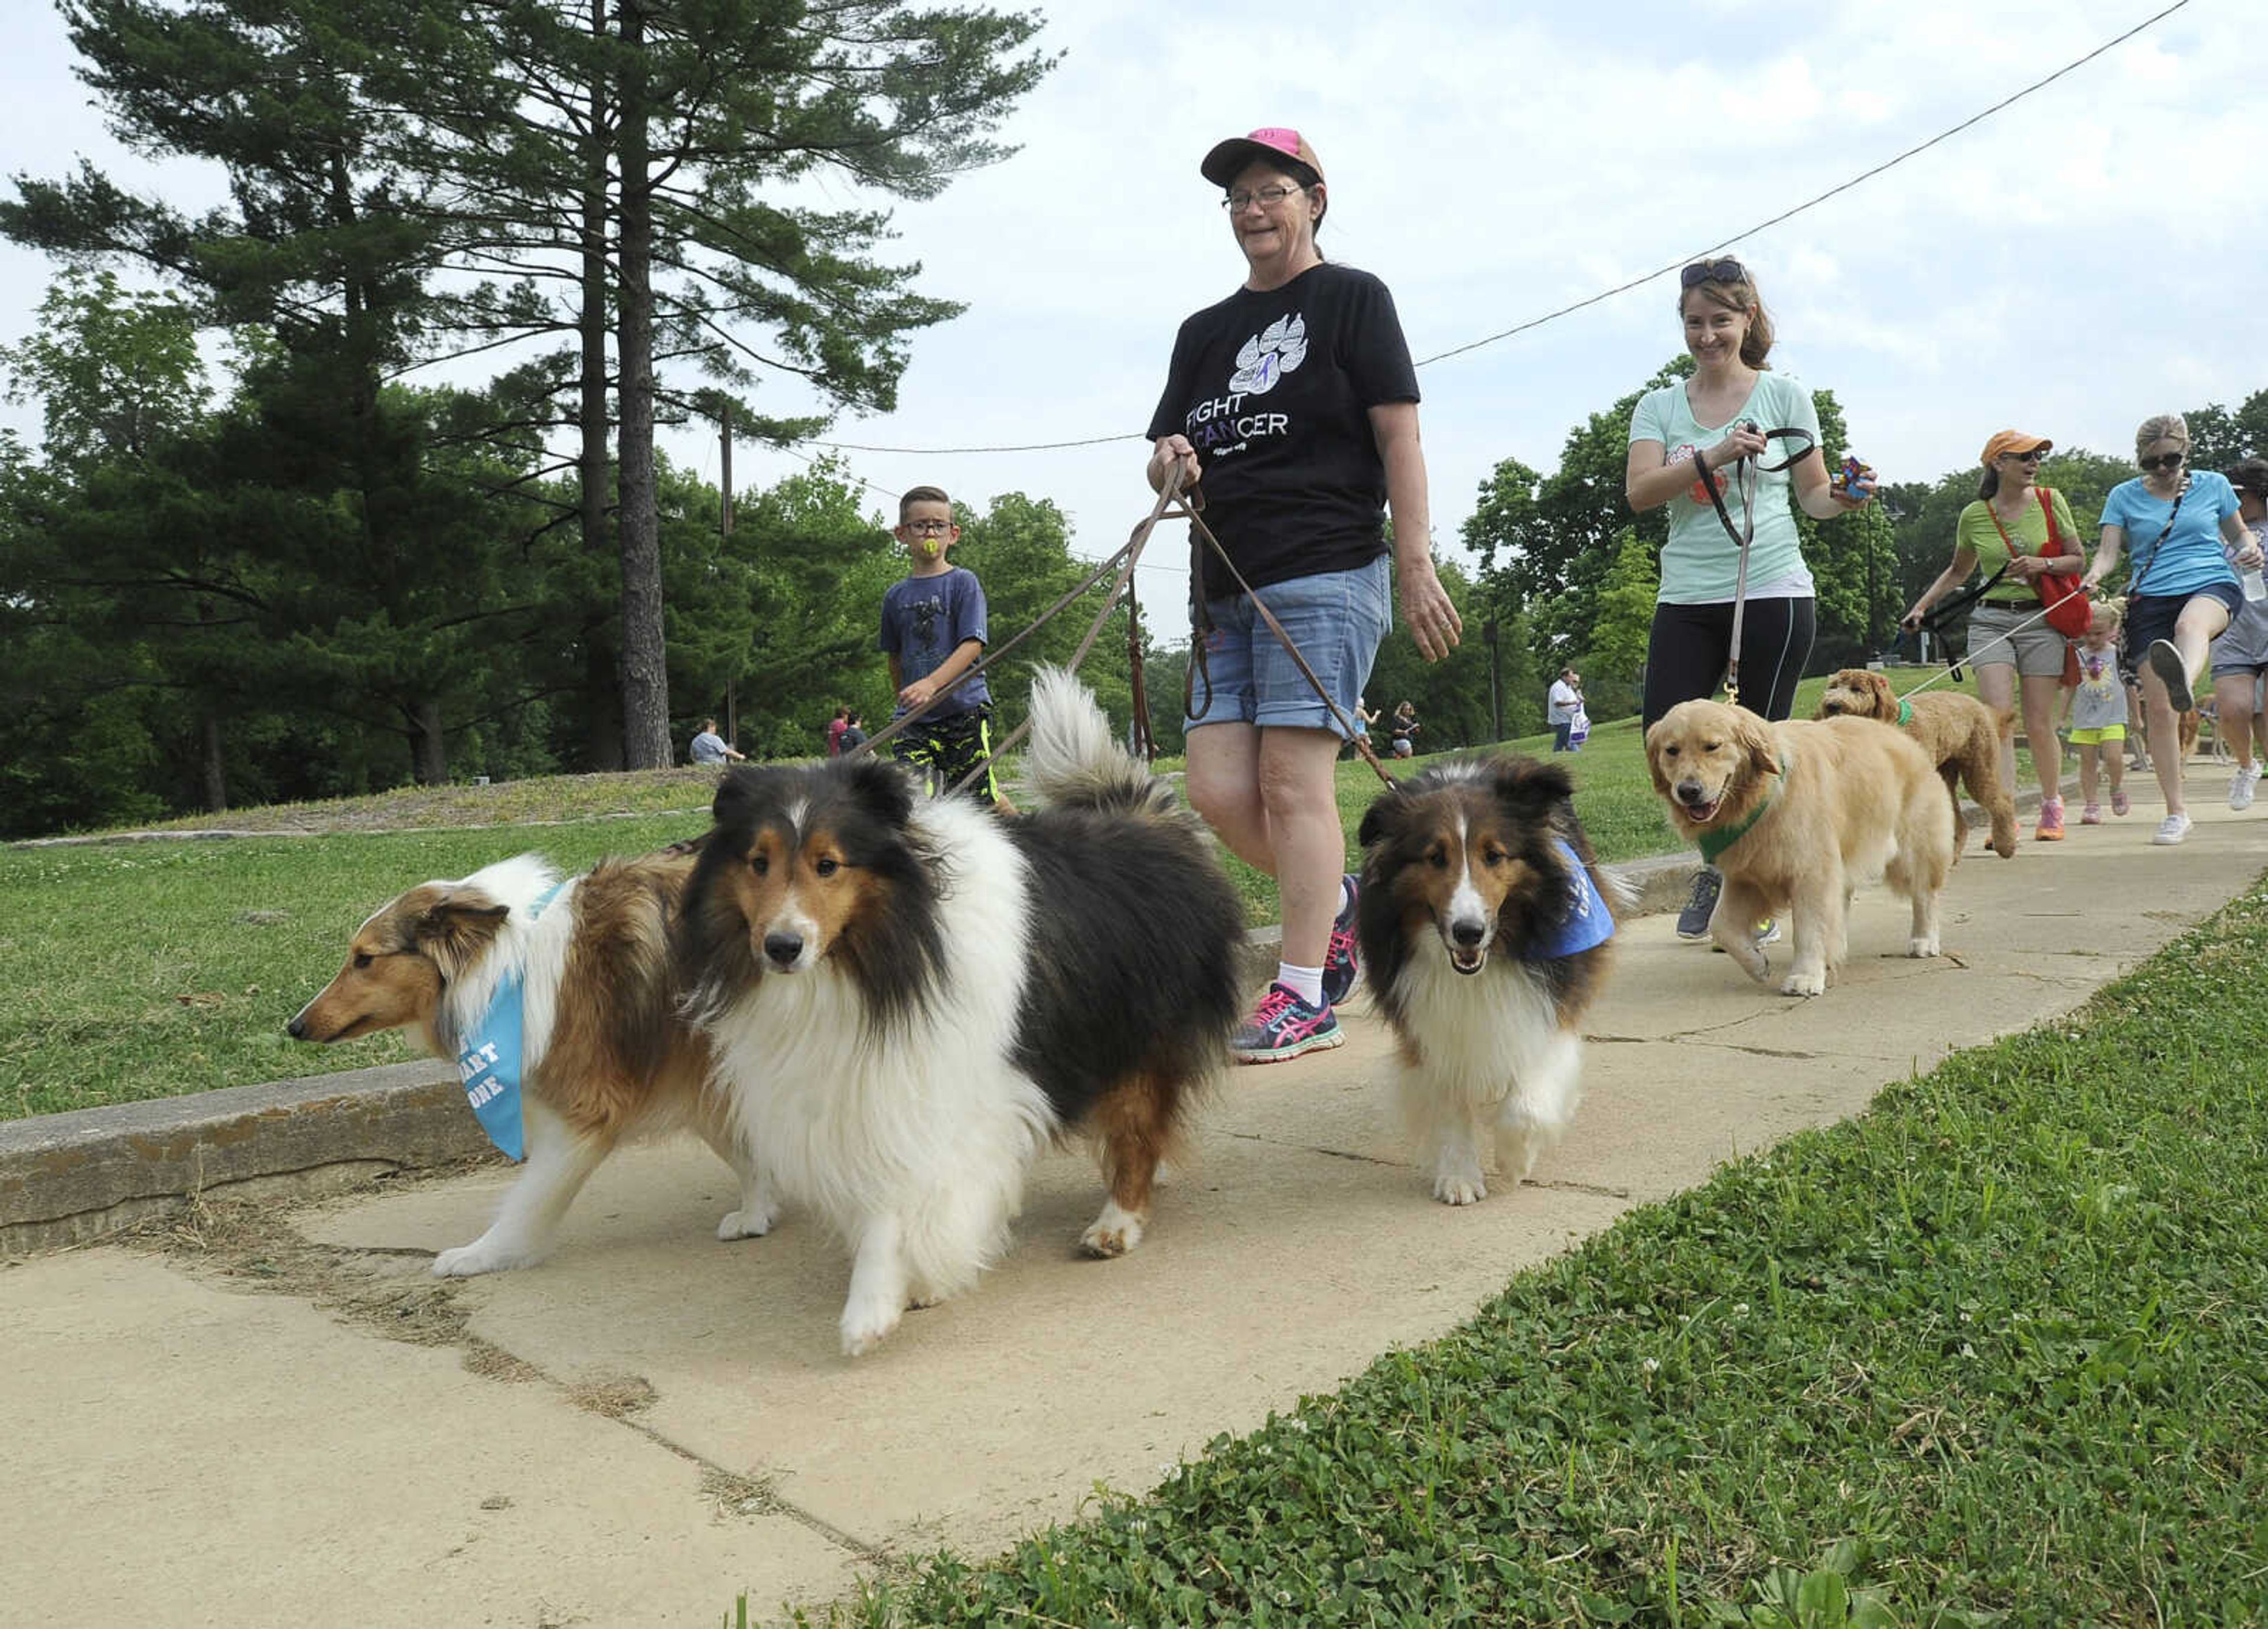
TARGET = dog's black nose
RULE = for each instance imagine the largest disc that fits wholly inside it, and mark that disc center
(784, 948)
(1689, 792)
(297, 1027)
(1467, 935)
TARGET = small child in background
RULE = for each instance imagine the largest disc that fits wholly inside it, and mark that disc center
(2098, 712)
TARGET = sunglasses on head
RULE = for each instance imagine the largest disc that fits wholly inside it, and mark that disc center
(2169, 461)
(1701, 271)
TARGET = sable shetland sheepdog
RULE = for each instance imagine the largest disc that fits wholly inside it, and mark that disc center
(1486, 931)
(910, 999)
(907, 999)
(606, 1054)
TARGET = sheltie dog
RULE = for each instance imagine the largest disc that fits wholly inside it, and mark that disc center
(908, 999)
(1486, 931)
(606, 1054)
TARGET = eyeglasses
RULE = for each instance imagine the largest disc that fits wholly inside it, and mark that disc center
(926, 528)
(1701, 271)
(2170, 461)
(2032, 457)
(1267, 198)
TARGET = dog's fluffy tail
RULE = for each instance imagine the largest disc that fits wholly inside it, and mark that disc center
(1074, 761)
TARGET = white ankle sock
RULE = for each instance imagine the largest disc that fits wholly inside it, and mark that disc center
(1305, 982)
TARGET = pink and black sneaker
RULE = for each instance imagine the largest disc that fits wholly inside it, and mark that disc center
(1341, 961)
(1283, 1026)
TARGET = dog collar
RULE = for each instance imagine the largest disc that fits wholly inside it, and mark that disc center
(488, 1061)
(1905, 713)
(1712, 844)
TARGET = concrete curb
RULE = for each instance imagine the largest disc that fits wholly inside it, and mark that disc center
(69, 1178)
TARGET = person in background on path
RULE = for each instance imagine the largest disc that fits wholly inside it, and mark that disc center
(1404, 731)
(2098, 713)
(1295, 402)
(1561, 705)
(2006, 532)
(933, 631)
(2183, 589)
(834, 731)
(709, 747)
(1695, 431)
(854, 734)
(2239, 656)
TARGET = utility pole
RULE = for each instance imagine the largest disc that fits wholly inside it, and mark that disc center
(1495, 688)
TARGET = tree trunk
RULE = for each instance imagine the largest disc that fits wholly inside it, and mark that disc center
(645, 665)
(603, 715)
(429, 747)
(216, 766)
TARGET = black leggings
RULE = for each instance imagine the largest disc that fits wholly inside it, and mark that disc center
(1686, 652)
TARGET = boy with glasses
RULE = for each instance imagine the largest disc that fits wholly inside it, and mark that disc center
(934, 632)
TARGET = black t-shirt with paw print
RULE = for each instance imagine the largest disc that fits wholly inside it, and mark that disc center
(1274, 390)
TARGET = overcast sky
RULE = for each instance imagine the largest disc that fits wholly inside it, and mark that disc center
(2087, 258)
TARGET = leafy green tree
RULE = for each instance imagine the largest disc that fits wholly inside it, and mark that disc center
(114, 372)
(1621, 628)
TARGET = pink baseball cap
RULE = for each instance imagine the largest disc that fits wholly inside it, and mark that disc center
(1273, 143)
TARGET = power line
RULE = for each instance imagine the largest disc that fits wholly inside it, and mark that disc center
(1621, 288)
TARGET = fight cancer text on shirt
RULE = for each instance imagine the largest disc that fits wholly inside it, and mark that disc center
(1273, 389)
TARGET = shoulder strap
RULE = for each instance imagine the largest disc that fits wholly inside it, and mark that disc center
(2142, 565)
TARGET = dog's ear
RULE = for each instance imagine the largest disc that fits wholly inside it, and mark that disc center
(881, 788)
(1384, 819)
(1756, 740)
(742, 793)
(456, 924)
(1531, 790)
(1886, 705)
(1655, 735)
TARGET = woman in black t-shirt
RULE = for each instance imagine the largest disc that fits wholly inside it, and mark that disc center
(1294, 403)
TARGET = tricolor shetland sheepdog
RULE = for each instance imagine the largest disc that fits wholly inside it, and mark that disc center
(1485, 930)
(605, 1054)
(908, 998)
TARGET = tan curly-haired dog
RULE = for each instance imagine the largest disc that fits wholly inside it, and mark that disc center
(1962, 735)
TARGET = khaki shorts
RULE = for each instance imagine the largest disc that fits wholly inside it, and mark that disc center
(2035, 651)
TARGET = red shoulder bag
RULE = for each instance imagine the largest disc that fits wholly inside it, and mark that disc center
(2069, 611)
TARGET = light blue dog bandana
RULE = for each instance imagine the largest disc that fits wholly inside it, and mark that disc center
(1587, 922)
(490, 1063)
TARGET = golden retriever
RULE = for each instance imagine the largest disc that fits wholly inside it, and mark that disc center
(1961, 735)
(1805, 812)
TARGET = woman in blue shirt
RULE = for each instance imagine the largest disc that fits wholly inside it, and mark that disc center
(2183, 591)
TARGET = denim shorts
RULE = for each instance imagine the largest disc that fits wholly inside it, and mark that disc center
(1338, 621)
(2035, 652)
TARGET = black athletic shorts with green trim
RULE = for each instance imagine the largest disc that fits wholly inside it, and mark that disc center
(948, 750)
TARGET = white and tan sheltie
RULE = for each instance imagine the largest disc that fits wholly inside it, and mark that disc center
(607, 1055)
(1486, 931)
(909, 999)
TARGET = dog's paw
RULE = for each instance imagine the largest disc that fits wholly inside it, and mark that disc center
(749, 1222)
(469, 1261)
(865, 1328)
(1804, 985)
(1919, 948)
(1463, 1188)
(1114, 1232)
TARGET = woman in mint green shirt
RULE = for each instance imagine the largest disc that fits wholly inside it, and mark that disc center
(1720, 415)
(2005, 533)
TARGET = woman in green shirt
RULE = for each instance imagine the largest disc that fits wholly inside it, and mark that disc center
(2006, 532)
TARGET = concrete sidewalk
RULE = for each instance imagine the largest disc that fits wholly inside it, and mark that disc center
(276, 1416)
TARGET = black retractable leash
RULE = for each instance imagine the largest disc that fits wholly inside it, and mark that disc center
(1748, 472)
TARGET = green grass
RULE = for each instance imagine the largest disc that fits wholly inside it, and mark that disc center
(1996, 1351)
(153, 969)
(149, 969)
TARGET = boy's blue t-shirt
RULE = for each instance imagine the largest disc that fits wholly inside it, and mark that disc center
(2191, 558)
(925, 620)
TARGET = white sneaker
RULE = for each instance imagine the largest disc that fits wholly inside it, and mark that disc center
(2171, 830)
(2241, 786)
(2173, 673)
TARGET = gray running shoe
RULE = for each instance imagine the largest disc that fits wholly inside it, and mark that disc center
(1693, 921)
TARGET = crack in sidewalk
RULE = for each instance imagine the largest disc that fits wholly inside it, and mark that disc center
(242, 1245)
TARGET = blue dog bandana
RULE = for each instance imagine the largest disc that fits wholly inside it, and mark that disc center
(490, 1063)
(1587, 922)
